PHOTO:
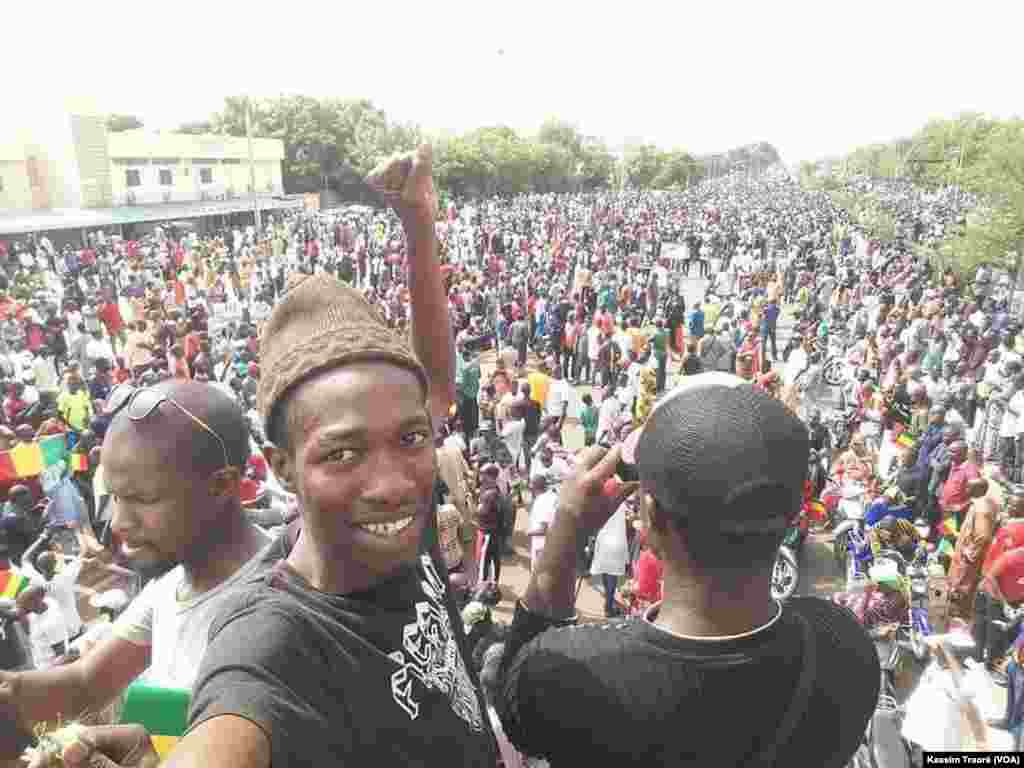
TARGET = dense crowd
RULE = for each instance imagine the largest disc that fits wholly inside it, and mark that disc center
(564, 310)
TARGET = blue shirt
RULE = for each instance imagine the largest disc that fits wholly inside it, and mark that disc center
(696, 324)
(929, 442)
(66, 505)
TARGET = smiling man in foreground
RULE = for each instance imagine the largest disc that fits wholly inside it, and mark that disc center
(346, 652)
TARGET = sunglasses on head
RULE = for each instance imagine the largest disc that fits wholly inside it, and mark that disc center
(142, 402)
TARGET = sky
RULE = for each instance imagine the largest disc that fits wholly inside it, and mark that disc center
(813, 78)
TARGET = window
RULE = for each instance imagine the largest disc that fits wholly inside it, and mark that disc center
(206, 175)
(166, 178)
(132, 178)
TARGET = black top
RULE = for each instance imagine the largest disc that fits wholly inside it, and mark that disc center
(367, 679)
(627, 693)
(531, 416)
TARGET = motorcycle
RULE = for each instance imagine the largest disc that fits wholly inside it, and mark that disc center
(836, 369)
(786, 572)
(850, 546)
(841, 424)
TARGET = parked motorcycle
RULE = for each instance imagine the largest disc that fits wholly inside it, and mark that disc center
(786, 572)
(850, 546)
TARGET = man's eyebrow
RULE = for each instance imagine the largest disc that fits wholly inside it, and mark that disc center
(335, 434)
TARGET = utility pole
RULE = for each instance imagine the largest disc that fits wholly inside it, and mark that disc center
(252, 163)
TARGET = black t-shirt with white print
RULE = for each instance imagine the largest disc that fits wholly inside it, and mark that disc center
(374, 678)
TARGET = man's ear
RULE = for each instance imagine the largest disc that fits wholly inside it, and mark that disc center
(657, 524)
(281, 464)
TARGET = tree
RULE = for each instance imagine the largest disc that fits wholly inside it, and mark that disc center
(598, 165)
(196, 127)
(643, 164)
(993, 167)
(970, 152)
(561, 134)
(677, 170)
(231, 119)
(117, 123)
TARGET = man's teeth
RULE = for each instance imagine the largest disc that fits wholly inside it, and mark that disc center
(388, 529)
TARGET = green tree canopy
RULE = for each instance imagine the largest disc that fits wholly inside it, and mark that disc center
(116, 123)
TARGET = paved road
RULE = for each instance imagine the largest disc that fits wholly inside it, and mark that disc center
(819, 575)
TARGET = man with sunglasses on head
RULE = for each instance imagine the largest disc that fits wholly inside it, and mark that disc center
(172, 459)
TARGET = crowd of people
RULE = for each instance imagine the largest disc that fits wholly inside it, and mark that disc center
(411, 382)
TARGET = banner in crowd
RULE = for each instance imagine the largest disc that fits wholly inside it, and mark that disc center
(30, 459)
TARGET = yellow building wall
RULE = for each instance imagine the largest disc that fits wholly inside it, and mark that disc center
(141, 148)
(91, 150)
(101, 157)
(15, 191)
(143, 143)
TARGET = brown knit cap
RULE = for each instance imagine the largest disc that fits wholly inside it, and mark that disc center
(322, 323)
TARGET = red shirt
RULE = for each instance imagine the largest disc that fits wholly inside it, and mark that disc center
(1010, 575)
(954, 492)
(110, 314)
(192, 347)
(259, 467)
(35, 336)
(1009, 536)
(248, 489)
(649, 573)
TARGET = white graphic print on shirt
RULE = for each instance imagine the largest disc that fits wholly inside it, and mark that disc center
(431, 655)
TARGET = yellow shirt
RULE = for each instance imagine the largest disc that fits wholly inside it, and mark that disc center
(638, 340)
(539, 384)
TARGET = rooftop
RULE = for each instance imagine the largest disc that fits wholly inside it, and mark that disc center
(23, 222)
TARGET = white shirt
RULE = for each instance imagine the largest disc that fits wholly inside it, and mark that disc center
(512, 434)
(593, 342)
(555, 474)
(633, 378)
(46, 374)
(559, 393)
(61, 620)
(625, 343)
(1013, 420)
(661, 273)
(177, 631)
(611, 550)
(99, 348)
(606, 415)
(937, 390)
(541, 511)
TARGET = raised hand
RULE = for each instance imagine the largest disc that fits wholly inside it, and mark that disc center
(405, 182)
